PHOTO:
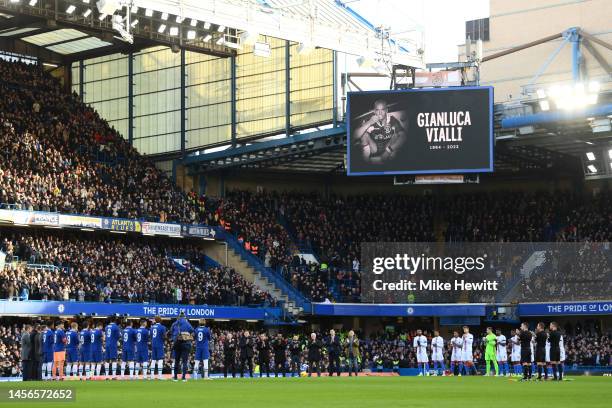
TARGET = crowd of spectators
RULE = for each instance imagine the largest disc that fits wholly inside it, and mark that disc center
(57, 154)
(253, 219)
(583, 269)
(334, 227)
(528, 217)
(61, 265)
(10, 346)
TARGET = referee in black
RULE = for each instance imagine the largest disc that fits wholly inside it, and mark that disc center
(525, 339)
(540, 350)
(554, 338)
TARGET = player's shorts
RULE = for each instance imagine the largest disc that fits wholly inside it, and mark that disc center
(525, 356)
(59, 355)
(157, 354)
(456, 356)
(502, 356)
(437, 356)
(548, 355)
(111, 353)
(555, 355)
(467, 356)
(85, 356)
(490, 355)
(201, 354)
(515, 357)
(142, 356)
(127, 355)
(72, 355)
(48, 357)
(540, 356)
(422, 357)
(96, 356)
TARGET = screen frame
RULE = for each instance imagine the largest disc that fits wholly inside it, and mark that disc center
(488, 169)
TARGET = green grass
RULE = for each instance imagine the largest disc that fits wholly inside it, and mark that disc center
(388, 392)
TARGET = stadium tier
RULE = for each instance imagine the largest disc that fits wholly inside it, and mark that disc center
(58, 265)
(59, 155)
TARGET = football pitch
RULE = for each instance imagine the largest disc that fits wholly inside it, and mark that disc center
(388, 392)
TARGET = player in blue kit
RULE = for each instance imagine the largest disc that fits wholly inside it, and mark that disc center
(47, 340)
(59, 351)
(142, 349)
(97, 339)
(85, 352)
(128, 336)
(111, 334)
(72, 350)
(202, 353)
(158, 336)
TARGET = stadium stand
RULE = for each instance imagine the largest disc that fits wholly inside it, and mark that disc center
(329, 227)
(59, 155)
(59, 265)
(10, 337)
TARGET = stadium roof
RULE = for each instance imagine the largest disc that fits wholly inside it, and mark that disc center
(64, 31)
(327, 24)
(66, 41)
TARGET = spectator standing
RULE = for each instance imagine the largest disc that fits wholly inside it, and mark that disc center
(352, 353)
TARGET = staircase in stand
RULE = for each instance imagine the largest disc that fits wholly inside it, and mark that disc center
(253, 270)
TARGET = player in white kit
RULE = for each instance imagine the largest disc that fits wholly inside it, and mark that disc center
(437, 353)
(420, 346)
(533, 344)
(467, 352)
(562, 353)
(456, 344)
(502, 353)
(515, 355)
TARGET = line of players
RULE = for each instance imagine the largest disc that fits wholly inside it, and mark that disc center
(83, 355)
(544, 350)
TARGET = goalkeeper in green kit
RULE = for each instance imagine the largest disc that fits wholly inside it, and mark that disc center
(490, 351)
